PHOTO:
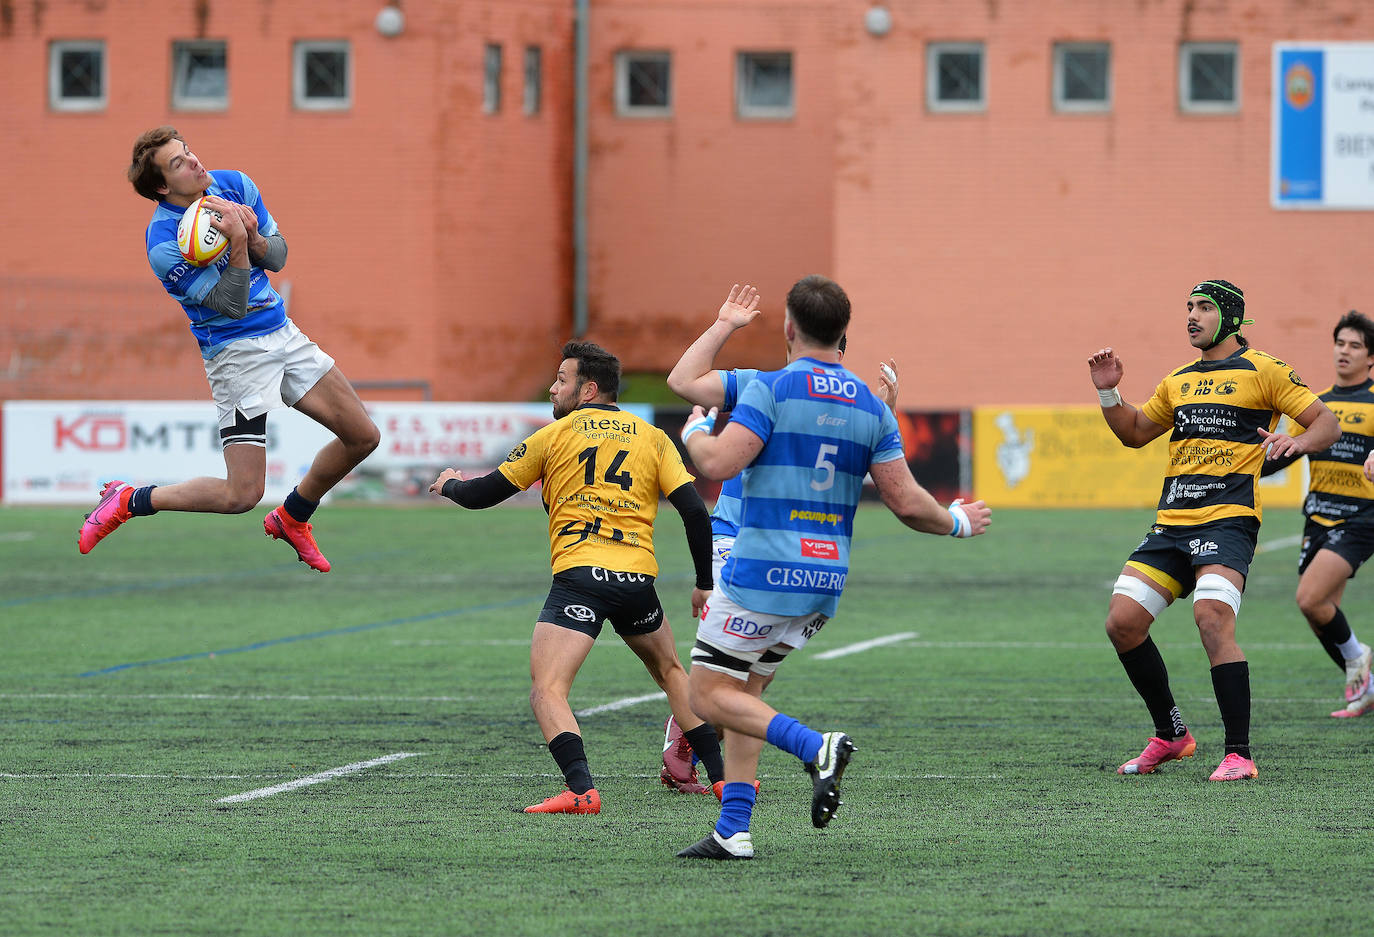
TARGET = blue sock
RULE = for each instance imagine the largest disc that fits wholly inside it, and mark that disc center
(795, 738)
(141, 501)
(736, 807)
(298, 507)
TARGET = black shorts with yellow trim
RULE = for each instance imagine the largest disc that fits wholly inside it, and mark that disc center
(584, 597)
(1169, 556)
(1353, 543)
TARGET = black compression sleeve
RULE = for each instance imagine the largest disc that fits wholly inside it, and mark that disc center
(697, 520)
(490, 489)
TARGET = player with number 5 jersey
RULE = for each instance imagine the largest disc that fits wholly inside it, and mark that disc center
(807, 435)
(602, 471)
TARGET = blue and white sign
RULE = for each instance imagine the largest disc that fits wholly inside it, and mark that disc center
(1323, 134)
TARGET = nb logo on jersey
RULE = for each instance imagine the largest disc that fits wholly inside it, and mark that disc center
(831, 387)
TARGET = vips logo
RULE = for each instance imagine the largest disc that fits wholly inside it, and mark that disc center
(744, 628)
(820, 549)
(113, 432)
(831, 387)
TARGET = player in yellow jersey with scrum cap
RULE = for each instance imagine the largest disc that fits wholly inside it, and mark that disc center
(1222, 409)
(603, 470)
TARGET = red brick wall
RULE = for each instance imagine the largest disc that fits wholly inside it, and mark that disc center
(430, 242)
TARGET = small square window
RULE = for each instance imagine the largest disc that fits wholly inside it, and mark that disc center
(763, 85)
(200, 75)
(323, 78)
(77, 75)
(1209, 77)
(956, 77)
(491, 78)
(643, 84)
(534, 79)
(1082, 76)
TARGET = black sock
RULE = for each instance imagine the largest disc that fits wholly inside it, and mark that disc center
(141, 504)
(706, 744)
(1231, 682)
(300, 510)
(1148, 675)
(1332, 635)
(567, 750)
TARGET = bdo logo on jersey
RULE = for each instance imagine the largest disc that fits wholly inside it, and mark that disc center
(831, 387)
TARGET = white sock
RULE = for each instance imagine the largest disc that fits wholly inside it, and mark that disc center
(1351, 649)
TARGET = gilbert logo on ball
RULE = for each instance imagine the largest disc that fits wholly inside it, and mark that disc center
(199, 243)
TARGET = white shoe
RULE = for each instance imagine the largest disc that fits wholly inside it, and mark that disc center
(715, 846)
(1357, 675)
(1359, 706)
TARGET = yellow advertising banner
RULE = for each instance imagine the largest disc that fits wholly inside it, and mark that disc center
(1067, 457)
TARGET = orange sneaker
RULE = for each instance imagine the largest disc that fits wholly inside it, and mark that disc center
(1234, 768)
(568, 802)
(112, 511)
(282, 526)
(719, 789)
(1157, 751)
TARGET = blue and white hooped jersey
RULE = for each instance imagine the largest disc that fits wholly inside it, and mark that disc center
(189, 284)
(821, 429)
(725, 515)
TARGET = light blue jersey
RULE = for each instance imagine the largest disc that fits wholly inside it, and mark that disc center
(821, 429)
(189, 284)
(725, 515)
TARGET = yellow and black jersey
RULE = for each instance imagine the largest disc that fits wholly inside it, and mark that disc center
(603, 470)
(1216, 452)
(1338, 491)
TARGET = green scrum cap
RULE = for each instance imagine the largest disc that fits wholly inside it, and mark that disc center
(1230, 302)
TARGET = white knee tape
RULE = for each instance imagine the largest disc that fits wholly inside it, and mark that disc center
(1133, 588)
(1217, 589)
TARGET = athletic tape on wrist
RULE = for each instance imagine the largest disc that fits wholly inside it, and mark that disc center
(1110, 397)
(704, 423)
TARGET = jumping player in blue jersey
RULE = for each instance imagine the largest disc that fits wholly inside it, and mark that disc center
(808, 435)
(256, 360)
(696, 379)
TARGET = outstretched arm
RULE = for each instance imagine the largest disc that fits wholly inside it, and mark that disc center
(697, 520)
(918, 509)
(475, 493)
(1130, 424)
(693, 378)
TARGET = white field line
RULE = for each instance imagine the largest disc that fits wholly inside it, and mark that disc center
(621, 704)
(316, 778)
(629, 701)
(455, 776)
(865, 645)
(16, 536)
(1280, 544)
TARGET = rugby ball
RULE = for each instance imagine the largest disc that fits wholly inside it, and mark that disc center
(199, 243)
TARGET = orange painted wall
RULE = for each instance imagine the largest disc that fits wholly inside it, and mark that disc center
(427, 239)
(430, 242)
(994, 252)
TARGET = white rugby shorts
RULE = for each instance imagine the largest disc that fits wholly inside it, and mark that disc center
(743, 640)
(267, 372)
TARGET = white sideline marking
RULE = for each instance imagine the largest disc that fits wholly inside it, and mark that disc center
(16, 535)
(621, 704)
(865, 645)
(1279, 544)
(316, 778)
